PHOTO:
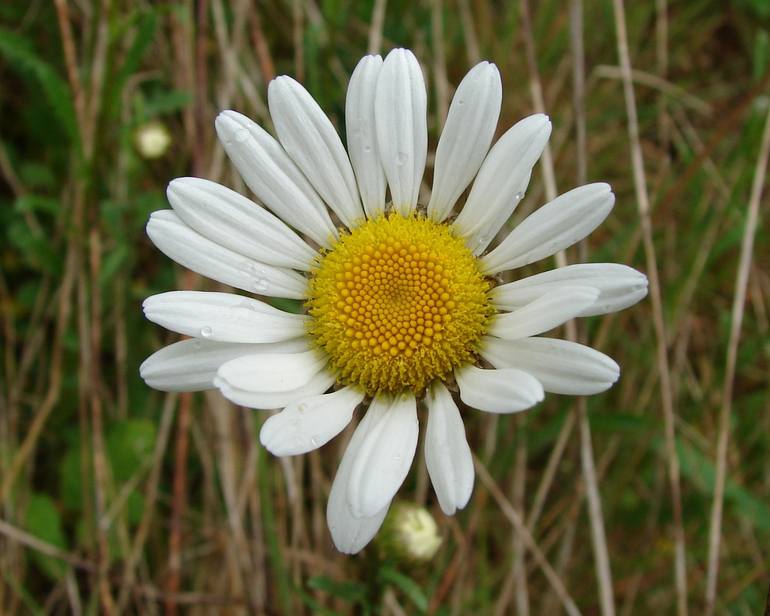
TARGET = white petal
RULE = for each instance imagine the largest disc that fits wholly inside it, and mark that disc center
(400, 114)
(277, 372)
(224, 317)
(265, 400)
(362, 141)
(619, 287)
(350, 533)
(233, 221)
(464, 142)
(191, 365)
(555, 226)
(310, 423)
(563, 367)
(312, 142)
(543, 314)
(273, 177)
(188, 248)
(502, 181)
(447, 454)
(505, 390)
(384, 458)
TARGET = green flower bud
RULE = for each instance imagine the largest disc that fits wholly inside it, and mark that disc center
(409, 534)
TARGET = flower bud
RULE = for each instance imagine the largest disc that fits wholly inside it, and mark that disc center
(409, 534)
(152, 139)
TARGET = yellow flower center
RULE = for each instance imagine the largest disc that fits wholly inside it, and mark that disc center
(397, 303)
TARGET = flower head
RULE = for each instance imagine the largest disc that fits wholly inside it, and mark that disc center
(403, 306)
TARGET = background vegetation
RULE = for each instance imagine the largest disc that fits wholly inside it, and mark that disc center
(118, 499)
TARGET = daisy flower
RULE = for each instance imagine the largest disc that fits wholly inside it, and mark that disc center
(403, 303)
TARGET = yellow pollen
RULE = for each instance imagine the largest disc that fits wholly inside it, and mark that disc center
(397, 303)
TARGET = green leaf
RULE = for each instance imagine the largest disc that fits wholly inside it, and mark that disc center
(44, 522)
(72, 483)
(167, 102)
(700, 470)
(35, 247)
(129, 443)
(113, 262)
(37, 203)
(407, 585)
(352, 592)
(16, 50)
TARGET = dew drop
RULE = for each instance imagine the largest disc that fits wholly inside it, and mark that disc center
(301, 408)
(518, 196)
(206, 331)
(314, 441)
(261, 285)
(401, 158)
(367, 148)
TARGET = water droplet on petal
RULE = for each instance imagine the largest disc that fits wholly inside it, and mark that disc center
(206, 331)
(401, 158)
(314, 441)
(261, 285)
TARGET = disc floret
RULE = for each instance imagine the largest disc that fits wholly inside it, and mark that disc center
(397, 303)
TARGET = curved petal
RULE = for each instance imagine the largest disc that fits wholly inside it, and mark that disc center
(243, 395)
(555, 226)
(400, 119)
(619, 287)
(233, 221)
(548, 311)
(273, 177)
(362, 144)
(310, 423)
(191, 365)
(190, 249)
(309, 138)
(384, 458)
(279, 372)
(447, 454)
(563, 367)
(467, 134)
(224, 317)
(350, 533)
(502, 181)
(506, 390)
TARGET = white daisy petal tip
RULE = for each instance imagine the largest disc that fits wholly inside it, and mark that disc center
(551, 310)
(384, 457)
(361, 137)
(312, 142)
(309, 423)
(561, 366)
(222, 317)
(553, 227)
(502, 181)
(505, 390)
(231, 126)
(447, 455)
(401, 116)
(620, 286)
(466, 136)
